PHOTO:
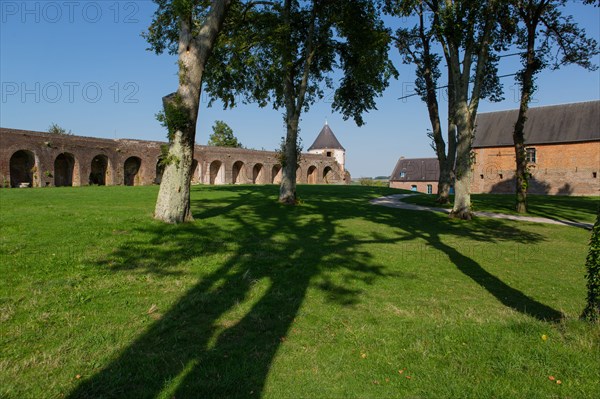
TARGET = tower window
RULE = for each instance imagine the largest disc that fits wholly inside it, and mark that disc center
(594, 175)
(329, 153)
(531, 155)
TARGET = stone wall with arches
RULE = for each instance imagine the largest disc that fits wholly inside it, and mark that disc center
(38, 159)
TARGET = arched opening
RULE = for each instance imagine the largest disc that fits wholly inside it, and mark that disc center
(216, 173)
(160, 169)
(311, 175)
(99, 170)
(22, 165)
(195, 174)
(237, 173)
(276, 174)
(257, 174)
(131, 170)
(328, 175)
(64, 165)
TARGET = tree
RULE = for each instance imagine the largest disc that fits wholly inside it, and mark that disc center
(222, 136)
(562, 42)
(592, 264)
(469, 33)
(284, 53)
(415, 46)
(54, 128)
(190, 29)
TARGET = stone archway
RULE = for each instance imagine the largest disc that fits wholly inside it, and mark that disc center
(216, 170)
(311, 175)
(64, 167)
(21, 166)
(237, 173)
(329, 175)
(131, 169)
(276, 174)
(257, 174)
(99, 170)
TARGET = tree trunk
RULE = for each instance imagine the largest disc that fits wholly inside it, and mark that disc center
(462, 184)
(522, 173)
(173, 203)
(287, 190)
(181, 113)
(444, 183)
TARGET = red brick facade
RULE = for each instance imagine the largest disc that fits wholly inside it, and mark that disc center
(562, 169)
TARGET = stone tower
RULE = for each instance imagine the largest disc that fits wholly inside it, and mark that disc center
(327, 144)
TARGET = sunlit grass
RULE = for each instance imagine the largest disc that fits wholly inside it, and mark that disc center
(333, 298)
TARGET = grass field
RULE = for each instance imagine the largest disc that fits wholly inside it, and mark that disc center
(335, 298)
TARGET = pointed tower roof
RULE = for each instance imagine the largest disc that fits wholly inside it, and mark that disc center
(326, 140)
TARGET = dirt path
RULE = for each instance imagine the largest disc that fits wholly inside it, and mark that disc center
(395, 201)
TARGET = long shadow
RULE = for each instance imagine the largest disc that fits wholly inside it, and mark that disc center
(431, 227)
(207, 346)
(221, 337)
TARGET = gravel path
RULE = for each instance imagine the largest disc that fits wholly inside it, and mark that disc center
(395, 201)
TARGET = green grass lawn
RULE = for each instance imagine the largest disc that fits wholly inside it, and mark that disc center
(335, 298)
(574, 209)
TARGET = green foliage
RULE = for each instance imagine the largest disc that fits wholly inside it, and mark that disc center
(365, 181)
(281, 152)
(592, 264)
(175, 116)
(264, 47)
(56, 129)
(222, 136)
(166, 158)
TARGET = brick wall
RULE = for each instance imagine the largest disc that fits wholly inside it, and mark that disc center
(560, 169)
(44, 159)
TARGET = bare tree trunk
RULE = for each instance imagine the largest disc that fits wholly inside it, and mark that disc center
(462, 184)
(294, 101)
(181, 114)
(522, 174)
(287, 190)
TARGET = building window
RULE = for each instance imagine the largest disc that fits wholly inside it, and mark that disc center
(329, 153)
(429, 189)
(594, 175)
(501, 176)
(413, 187)
(402, 174)
(531, 155)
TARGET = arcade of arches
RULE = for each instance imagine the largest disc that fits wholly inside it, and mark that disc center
(37, 159)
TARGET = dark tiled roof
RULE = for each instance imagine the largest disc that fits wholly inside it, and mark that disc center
(416, 169)
(326, 140)
(564, 123)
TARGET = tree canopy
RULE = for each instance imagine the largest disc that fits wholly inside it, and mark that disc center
(222, 136)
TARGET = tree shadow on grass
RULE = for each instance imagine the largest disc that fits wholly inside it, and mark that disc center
(431, 227)
(220, 338)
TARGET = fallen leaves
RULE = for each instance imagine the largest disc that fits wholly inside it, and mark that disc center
(552, 378)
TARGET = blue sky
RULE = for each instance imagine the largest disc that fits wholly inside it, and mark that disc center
(84, 65)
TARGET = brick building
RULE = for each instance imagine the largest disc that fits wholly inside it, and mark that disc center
(563, 150)
(38, 159)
